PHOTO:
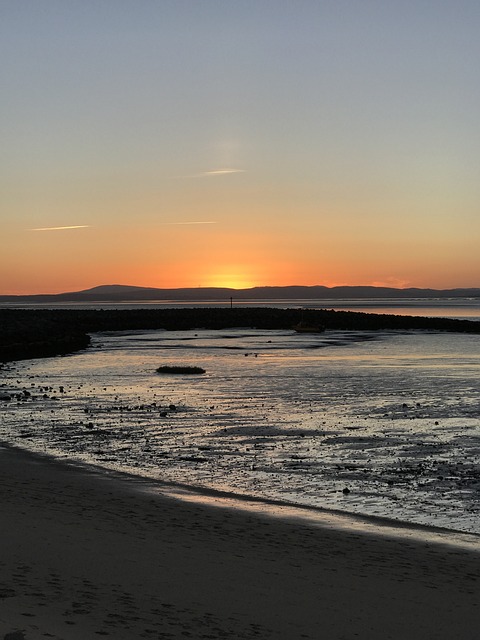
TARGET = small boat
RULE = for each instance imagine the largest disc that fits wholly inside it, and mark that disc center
(306, 327)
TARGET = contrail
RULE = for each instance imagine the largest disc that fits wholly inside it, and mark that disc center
(76, 226)
(221, 172)
(209, 174)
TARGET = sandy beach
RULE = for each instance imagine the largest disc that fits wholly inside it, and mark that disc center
(87, 554)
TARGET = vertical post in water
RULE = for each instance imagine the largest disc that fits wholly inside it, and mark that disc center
(231, 303)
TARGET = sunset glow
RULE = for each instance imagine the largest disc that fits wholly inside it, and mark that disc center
(236, 146)
(232, 278)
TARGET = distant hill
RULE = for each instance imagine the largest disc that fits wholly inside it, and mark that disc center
(125, 293)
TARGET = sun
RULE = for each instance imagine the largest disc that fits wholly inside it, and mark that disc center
(230, 279)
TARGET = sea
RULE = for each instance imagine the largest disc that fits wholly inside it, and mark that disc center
(380, 424)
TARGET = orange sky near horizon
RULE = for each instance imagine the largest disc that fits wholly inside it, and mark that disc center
(215, 255)
(187, 144)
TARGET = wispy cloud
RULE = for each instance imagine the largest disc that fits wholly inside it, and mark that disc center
(221, 172)
(76, 226)
(210, 174)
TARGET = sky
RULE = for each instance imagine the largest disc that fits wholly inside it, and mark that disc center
(186, 143)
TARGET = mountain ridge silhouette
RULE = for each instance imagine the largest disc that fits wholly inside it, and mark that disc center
(132, 293)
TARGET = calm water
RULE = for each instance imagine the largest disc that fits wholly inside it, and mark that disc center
(386, 424)
(468, 308)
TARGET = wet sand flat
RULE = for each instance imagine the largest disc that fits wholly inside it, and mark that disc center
(392, 417)
(86, 554)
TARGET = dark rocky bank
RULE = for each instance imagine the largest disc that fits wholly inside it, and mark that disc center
(37, 333)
